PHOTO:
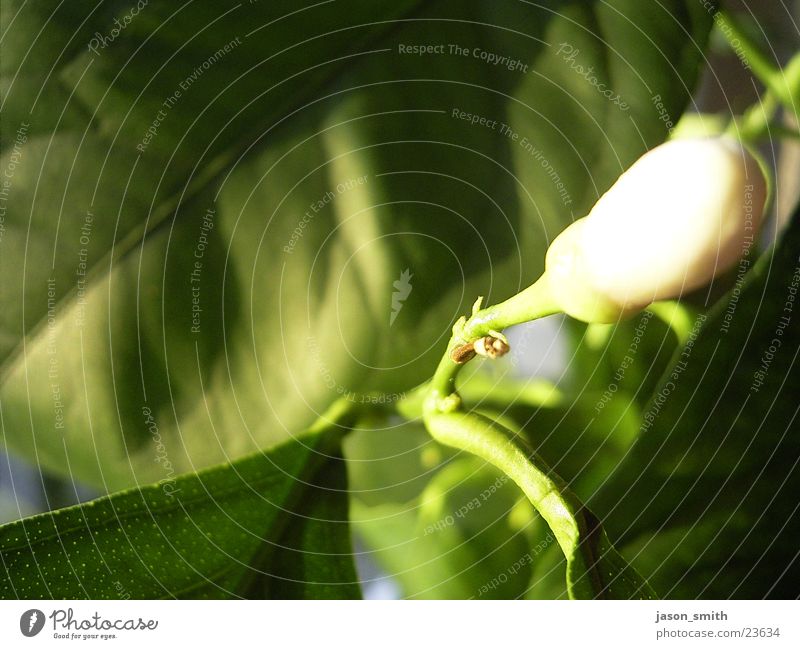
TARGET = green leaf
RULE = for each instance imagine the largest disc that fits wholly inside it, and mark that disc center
(706, 499)
(97, 353)
(314, 100)
(272, 525)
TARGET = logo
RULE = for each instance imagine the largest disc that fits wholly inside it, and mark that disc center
(31, 622)
(402, 291)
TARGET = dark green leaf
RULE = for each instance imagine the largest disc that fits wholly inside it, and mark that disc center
(272, 525)
(313, 558)
(98, 353)
(708, 495)
(271, 127)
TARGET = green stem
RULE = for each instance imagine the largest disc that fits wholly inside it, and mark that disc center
(341, 414)
(499, 447)
(783, 84)
(594, 568)
(790, 78)
(534, 302)
(485, 390)
(756, 121)
(677, 316)
(738, 39)
(785, 132)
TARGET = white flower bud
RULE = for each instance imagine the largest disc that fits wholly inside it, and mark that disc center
(681, 215)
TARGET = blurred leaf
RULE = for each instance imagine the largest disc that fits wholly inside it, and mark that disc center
(456, 540)
(623, 368)
(389, 464)
(580, 442)
(271, 525)
(286, 312)
(707, 495)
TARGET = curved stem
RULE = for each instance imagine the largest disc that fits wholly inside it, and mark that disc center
(757, 119)
(782, 84)
(491, 442)
(341, 415)
(534, 302)
(678, 316)
(482, 390)
(594, 568)
(763, 68)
